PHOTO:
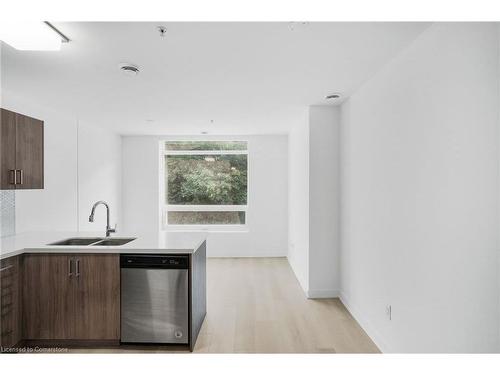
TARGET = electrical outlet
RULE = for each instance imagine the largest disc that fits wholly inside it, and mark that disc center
(388, 311)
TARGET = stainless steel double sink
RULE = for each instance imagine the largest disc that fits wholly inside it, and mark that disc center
(92, 241)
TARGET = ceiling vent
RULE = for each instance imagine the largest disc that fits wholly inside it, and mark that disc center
(333, 96)
(129, 69)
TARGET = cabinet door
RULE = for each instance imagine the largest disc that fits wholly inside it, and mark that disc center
(7, 149)
(98, 297)
(48, 297)
(9, 302)
(29, 152)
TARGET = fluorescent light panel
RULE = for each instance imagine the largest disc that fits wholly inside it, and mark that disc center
(30, 36)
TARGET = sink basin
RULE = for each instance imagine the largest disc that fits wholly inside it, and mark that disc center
(113, 242)
(94, 241)
(77, 241)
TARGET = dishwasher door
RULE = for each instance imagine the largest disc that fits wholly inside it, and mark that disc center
(154, 305)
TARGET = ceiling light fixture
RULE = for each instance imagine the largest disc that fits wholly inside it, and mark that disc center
(64, 38)
(32, 36)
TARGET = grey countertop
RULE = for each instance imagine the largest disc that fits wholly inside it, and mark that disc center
(145, 243)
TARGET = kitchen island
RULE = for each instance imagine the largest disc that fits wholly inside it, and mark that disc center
(71, 295)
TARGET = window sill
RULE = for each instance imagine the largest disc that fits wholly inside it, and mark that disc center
(218, 229)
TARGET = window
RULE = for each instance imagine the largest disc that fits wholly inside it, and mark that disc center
(206, 182)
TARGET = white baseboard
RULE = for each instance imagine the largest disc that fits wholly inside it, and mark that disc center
(368, 327)
(302, 283)
(263, 255)
(322, 293)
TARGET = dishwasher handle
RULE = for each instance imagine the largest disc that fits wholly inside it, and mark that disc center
(154, 261)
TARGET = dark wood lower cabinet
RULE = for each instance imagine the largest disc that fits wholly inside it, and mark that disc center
(98, 297)
(10, 324)
(71, 297)
(198, 292)
(73, 300)
(48, 297)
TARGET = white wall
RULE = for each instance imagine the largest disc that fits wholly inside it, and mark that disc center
(99, 176)
(69, 148)
(498, 244)
(314, 192)
(298, 200)
(268, 191)
(324, 216)
(55, 206)
(419, 175)
(141, 184)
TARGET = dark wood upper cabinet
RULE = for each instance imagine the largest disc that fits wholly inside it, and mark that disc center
(7, 149)
(29, 153)
(21, 151)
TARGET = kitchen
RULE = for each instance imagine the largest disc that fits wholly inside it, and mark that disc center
(249, 187)
(82, 290)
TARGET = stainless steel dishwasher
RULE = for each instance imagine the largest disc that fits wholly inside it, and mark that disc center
(154, 299)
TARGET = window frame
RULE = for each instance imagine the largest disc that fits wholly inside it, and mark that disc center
(196, 208)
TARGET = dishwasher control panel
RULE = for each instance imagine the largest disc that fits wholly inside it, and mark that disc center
(154, 261)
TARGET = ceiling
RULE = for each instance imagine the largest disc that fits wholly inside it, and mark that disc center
(224, 78)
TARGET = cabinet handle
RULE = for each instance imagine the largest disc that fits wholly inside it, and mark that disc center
(77, 268)
(70, 268)
(13, 177)
(21, 175)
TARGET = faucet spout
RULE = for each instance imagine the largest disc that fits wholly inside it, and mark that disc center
(92, 213)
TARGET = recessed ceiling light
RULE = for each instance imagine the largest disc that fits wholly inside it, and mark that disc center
(129, 69)
(333, 96)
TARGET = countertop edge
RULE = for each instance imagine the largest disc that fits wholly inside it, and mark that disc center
(122, 249)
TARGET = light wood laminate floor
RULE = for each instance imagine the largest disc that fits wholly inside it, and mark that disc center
(256, 305)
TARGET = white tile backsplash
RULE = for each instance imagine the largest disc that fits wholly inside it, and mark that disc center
(7, 213)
